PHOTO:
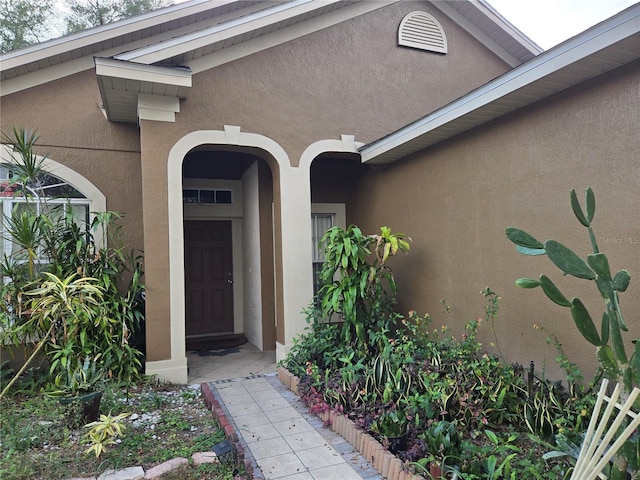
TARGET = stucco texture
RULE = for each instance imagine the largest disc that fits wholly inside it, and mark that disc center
(456, 199)
(351, 78)
(341, 80)
(73, 131)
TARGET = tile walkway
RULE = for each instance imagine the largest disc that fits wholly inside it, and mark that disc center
(281, 438)
(285, 441)
(243, 361)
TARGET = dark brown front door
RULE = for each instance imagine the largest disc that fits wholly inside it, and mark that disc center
(208, 277)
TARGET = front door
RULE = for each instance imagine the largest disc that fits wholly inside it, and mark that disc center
(208, 277)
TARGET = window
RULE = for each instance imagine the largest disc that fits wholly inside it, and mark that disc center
(51, 194)
(320, 223)
(207, 196)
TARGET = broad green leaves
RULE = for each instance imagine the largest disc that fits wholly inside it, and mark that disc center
(357, 283)
(552, 292)
(584, 322)
(590, 201)
(523, 239)
(595, 266)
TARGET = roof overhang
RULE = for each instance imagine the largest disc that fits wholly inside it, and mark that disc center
(485, 24)
(121, 84)
(185, 47)
(600, 49)
(203, 34)
(96, 41)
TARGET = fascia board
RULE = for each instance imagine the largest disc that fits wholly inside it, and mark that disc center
(240, 26)
(145, 73)
(507, 26)
(86, 62)
(50, 74)
(580, 47)
(96, 35)
(483, 38)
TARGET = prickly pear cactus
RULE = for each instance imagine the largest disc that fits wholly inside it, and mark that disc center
(608, 339)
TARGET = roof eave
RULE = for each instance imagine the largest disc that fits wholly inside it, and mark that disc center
(498, 97)
(87, 38)
(121, 83)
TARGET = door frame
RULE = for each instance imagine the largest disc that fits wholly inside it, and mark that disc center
(231, 213)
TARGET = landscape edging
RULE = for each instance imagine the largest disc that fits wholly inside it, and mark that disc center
(387, 464)
(226, 425)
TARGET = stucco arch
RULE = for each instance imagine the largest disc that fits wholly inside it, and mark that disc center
(292, 204)
(230, 136)
(296, 224)
(346, 144)
(80, 183)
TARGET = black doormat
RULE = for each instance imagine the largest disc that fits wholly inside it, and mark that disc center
(217, 353)
(220, 342)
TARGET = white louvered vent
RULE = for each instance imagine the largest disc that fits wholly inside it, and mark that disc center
(420, 30)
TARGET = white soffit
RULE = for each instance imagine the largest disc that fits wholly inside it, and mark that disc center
(121, 84)
(600, 49)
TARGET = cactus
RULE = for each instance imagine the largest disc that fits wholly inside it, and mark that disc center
(611, 351)
(609, 343)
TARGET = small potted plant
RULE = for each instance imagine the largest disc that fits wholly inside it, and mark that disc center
(80, 384)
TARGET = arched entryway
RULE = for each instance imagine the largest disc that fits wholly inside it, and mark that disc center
(291, 234)
(266, 158)
(228, 246)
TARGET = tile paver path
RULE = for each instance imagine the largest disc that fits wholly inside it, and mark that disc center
(283, 439)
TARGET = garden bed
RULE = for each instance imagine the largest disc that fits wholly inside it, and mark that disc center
(166, 421)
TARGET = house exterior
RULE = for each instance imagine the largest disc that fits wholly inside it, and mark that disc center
(231, 134)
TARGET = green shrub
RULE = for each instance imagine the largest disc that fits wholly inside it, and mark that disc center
(55, 255)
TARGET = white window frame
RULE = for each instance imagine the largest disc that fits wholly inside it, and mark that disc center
(93, 197)
(337, 212)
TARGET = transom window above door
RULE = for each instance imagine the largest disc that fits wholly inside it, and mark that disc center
(207, 196)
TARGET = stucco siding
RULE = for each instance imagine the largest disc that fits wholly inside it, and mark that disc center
(265, 185)
(351, 78)
(456, 199)
(73, 131)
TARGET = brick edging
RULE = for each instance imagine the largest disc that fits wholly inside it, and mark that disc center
(387, 464)
(228, 427)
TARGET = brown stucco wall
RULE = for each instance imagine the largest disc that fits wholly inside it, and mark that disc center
(342, 80)
(457, 198)
(73, 131)
(332, 179)
(351, 78)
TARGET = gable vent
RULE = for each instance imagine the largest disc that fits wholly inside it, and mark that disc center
(420, 30)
